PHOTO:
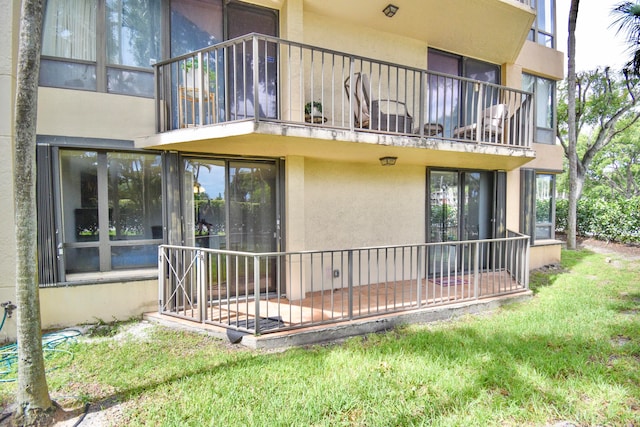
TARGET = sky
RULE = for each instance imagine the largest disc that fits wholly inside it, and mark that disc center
(596, 43)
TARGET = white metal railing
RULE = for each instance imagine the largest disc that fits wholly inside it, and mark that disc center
(303, 84)
(267, 292)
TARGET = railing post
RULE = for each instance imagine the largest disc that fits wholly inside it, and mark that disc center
(423, 90)
(525, 255)
(531, 126)
(352, 93)
(161, 279)
(479, 111)
(156, 89)
(350, 281)
(200, 285)
(256, 78)
(200, 92)
(256, 291)
(476, 271)
(419, 276)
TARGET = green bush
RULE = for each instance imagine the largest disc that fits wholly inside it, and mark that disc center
(613, 220)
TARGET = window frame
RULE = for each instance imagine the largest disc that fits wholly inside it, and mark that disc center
(52, 242)
(550, 132)
(101, 63)
(552, 207)
(528, 204)
(538, 30)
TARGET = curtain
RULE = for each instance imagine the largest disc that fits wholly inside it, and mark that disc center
(70, 29)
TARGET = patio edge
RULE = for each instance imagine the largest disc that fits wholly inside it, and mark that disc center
(334, 332)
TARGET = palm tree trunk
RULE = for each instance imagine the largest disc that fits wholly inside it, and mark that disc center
(571, 122)
(33, 401)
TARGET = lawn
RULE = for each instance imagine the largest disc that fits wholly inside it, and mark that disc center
(570, 354)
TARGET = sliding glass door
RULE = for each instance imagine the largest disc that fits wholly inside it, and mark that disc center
(463, 206)
(454, 103)
(232, 205)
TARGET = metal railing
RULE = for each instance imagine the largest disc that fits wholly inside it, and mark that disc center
(260, 293)
(262, 78)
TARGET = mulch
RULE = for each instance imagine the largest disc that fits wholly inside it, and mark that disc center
(627, 250)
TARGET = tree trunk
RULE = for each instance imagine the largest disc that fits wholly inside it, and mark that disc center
(572, 130)
(33, 402)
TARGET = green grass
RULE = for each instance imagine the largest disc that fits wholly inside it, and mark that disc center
(572, 353)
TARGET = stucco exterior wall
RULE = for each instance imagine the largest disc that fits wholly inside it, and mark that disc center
(544, 253)
(94, 115)
(548, 158)
(350, 205)
(537, 59)
(365, 41)
(72, 305)
(513, 200)
(9, 24)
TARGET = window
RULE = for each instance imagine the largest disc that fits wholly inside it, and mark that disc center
(195, 25)
(76, 56)
(538, 204)
(544, 93)
(111, 210)
(69, 35)
(450, 103)
(111, 45)
(133, 45)
(545, 206)
(543, 31)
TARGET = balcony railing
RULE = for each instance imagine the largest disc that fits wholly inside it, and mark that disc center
(260, 293)
(263, 78)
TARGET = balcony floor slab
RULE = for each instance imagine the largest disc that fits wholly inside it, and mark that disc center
(278, 139)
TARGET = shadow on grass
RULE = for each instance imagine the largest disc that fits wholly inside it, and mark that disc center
(513, 366)
(547, 276)
(512, 369)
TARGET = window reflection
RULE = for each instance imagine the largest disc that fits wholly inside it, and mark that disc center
(108, 199)
(544, 206)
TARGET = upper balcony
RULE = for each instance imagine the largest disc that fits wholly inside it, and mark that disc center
(207, 102)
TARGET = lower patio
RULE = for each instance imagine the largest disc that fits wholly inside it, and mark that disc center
(263, 299)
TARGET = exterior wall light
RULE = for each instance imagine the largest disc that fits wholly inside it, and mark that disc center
(390, 10)
(388, 160)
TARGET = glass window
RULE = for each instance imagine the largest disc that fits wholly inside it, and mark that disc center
(543, 30)
(545, 206)
(79, 176)
(135, 195)
(69, 33)
(132, 32)
(110, 199)
(450, 101)
(73, 53)
(133, 40)
(195, 24)
(544, 93)
(70, 29)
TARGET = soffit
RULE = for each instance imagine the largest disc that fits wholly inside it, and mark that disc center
(491, 30)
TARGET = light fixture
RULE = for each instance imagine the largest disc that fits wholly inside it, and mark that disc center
(388, 160)
(390, 10)
(198, 189)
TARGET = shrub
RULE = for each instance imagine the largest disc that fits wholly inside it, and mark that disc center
(614, 220)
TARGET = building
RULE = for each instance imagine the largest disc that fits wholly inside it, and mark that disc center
(283, 126)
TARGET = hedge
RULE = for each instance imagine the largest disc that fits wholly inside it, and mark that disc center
(612, 220)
